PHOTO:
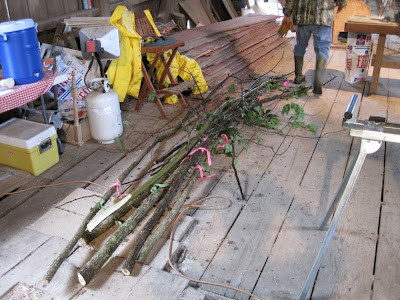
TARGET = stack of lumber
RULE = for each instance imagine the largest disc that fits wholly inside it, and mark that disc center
(234, 47)
(81, 22)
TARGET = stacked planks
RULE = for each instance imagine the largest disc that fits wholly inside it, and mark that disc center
(80, 22)
(235, 47)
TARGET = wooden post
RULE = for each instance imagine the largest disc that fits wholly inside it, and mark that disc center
(77, 126)
(167, 9)
(378, 62)
(180, 19)
(104, 7)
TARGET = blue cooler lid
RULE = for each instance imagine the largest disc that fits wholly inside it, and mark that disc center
(12, 26)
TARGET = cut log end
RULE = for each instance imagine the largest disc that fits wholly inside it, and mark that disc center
(81, 279)
(85, 241)
(126, 272)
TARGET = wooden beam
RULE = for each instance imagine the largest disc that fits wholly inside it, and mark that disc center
(392, 62)
(104, 6)
(195, 11)
(230, 8)
(167, 9)
(378, 62)
(371, 25)
(52, 22)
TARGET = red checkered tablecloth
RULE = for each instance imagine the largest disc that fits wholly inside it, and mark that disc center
(22, 94)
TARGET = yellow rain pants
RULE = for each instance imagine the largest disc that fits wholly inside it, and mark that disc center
(185, 68)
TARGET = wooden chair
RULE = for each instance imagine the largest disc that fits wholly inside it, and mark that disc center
(158, 89)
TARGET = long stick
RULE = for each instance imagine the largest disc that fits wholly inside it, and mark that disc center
(96, 262)
(167, 221)
(155, 217)
(107, 195)
(145, 187)
(90, 269)
(236, 173)
(77, 126)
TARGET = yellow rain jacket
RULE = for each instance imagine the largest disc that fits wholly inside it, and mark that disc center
(125, 73)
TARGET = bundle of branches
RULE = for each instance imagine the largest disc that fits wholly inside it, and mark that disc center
(158, 193)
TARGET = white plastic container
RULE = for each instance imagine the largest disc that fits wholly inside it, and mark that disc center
(104, 116)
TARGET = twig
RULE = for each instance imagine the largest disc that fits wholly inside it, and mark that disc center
(236, 173)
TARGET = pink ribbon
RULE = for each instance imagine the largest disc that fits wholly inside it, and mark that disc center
(222, 146)
(204, 138)
(201, 172)
(202, 150)
(287, 84)
(259, 97)
(118, 185)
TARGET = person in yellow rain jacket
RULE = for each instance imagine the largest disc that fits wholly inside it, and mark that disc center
(125, 73)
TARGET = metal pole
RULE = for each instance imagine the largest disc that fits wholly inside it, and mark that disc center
(367, 147)
(8, 12)
(338, 196)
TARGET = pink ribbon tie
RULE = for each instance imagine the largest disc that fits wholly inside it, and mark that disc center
(201, 172)
(202, 150)
(222, 146)
(287, 84)
(117, 186)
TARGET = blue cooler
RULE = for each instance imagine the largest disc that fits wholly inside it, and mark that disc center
(20, 51)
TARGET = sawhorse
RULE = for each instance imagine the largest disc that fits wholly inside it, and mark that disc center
(372, 133)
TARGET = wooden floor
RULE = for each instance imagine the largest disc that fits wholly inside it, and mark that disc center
(265, 245)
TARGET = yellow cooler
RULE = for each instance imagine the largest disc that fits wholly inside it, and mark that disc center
(28, 145)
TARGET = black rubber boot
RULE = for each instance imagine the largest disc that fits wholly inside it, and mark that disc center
(298, 70)
(319, 76)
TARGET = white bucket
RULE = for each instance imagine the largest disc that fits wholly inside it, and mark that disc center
(104, 115)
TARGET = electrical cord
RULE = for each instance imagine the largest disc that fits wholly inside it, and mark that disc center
(55, 184)
(100, 64)
(89, 67)
(195, 205)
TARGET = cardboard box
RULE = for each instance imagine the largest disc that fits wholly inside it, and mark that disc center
(28, 145)
(70, 133)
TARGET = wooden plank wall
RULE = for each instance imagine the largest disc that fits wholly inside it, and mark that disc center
(18, 10)
(38, 10)
(48, 13)
(138, 5)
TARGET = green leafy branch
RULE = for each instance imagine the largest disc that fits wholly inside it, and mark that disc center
(296, 117)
